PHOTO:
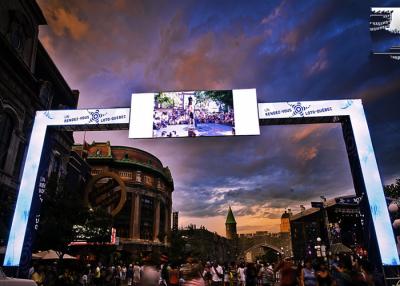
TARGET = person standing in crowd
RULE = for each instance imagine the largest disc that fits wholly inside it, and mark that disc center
(123, 274)
(242, 274)
(164, 268)
(117, 275)
(84, 279)
(251, 274)
(217, 274)
(129, 275)
(207, 274)
(233, 275)
(31, 270)
(287, 273)
(308, 276)
(367, 271)
(344, 275)
(266, 275)
(226, 274)
(97, 275)
(270, 274)
(150, 275)
(174, 275)
(38, 276)
(191, 273)
(323, 276)
(190, 111)
(136, 274)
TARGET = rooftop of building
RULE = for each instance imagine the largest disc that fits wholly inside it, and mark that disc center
(338, 201)
(105, 152)
(230, 218)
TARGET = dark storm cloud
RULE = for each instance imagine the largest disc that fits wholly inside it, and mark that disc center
(269, 172)
(284, 167)
(288, 50)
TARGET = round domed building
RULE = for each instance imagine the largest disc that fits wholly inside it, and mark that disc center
(136, 189)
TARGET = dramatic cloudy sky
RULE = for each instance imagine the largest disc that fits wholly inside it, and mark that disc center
(287, 50)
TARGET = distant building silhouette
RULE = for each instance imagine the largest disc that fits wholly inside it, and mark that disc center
(285, 221)
(230, 225)
(338, 222)
(175, 217)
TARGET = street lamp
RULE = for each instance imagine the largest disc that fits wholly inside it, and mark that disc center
(318, 247)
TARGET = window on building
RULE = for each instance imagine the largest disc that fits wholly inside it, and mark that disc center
(138, 176)
(17, 36)
(148, 180)
(125, 174)
(45, 94)
(161, 231)
(122, 219)
(6, 132)
(56, 166)
(146, 218)
(18, 160)
(95, 172)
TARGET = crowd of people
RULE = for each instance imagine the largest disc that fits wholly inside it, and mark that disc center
(162, 119)
(217, 118)
(341, 271)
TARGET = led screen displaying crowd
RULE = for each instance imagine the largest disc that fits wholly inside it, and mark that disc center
(183, 114)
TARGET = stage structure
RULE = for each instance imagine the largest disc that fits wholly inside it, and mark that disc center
(349, 113)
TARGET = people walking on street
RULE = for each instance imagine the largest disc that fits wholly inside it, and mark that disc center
(136, 274)
(242, 274)
(324, 278)
(251, 274)
(308, 276)
(207, 276)
(217, 274)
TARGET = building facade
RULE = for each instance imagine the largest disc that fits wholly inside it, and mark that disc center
(203, 245)
(144, 216)
(339, 221)
(29, 81)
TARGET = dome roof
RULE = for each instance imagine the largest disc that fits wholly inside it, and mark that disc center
(285, 215)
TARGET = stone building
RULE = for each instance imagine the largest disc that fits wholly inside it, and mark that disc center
(144, 218)
(202, 244)
(339, 221)
(285, 222)
(29, 81)
(230, 225)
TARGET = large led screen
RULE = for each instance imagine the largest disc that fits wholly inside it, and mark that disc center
(194, 114)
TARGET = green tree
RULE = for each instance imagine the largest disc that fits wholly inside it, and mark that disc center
(392, 190)
(164, 100)
(96, 227)
(222, 96)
